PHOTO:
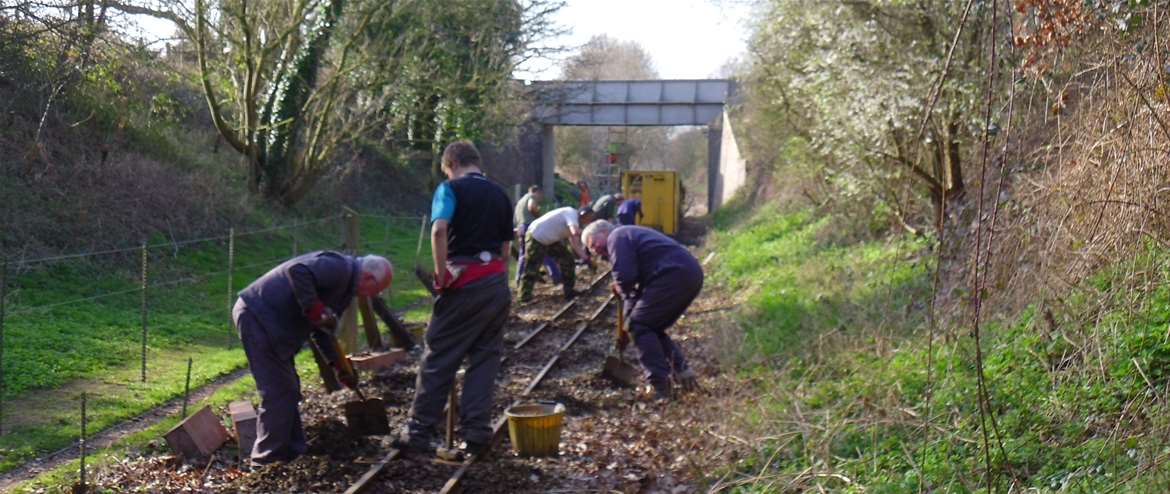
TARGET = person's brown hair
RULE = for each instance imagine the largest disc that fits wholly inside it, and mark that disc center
(460, 154)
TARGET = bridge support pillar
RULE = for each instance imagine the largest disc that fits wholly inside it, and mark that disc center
(714, 141)
(548, 160)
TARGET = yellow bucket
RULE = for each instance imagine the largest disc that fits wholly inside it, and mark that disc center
(535, 428)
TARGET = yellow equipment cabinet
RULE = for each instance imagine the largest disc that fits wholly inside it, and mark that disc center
(660, 195)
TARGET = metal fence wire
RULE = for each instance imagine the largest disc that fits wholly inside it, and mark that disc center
(145, 279)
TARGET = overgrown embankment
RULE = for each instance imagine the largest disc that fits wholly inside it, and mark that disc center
(856, 395)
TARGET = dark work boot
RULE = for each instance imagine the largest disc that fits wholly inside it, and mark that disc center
(477, 448)
(410, 445)
(663, 391)
(687, 380)
(570, 294)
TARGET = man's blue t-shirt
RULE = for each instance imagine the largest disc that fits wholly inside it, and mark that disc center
(628, 211)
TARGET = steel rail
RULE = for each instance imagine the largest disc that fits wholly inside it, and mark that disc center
(452, 483)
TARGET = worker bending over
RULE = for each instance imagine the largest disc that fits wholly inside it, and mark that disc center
(629, 212)
(546, 237)
(277, 314)
(657, 279)
(604, 207)
(526, 211)
(470, 238)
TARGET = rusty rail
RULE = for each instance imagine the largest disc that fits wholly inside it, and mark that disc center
(453, 482)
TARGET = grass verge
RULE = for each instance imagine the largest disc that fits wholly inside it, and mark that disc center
(66, 333)
(855, 399)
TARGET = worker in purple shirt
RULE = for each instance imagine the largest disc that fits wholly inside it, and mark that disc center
(657, 279)
(277, 314)
(629, 212)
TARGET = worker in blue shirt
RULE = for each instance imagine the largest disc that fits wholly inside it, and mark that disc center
(628, 210)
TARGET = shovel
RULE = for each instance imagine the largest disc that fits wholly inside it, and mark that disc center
(616, 369)
(365, 417)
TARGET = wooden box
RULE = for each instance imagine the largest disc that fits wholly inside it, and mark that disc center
(197, 436)
(244, 420)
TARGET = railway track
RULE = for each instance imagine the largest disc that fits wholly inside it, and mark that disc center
(453, 483)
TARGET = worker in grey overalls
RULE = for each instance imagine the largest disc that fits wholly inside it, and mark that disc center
(470, 238)
(277, 314)
(657, 279)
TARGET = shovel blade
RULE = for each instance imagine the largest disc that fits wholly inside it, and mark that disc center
(367, 417)
(619, 372)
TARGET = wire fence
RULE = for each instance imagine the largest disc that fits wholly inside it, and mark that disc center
(76, 323)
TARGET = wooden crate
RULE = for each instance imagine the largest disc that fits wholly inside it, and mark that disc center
(244, 420)
(377, 360)
(197, 436)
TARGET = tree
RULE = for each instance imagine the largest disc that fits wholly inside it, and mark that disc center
(580, 150)
(853, 81)
(464, 88)
(292, 83)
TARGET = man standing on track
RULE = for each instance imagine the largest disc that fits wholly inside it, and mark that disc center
(470, 236)
(657, 279)
(277, 314)
(546, 237)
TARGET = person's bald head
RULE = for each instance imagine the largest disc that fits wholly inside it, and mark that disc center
(376, 274)
(596, 236)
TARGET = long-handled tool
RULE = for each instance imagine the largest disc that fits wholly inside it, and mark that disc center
(427, 279)
(616, 369)
(449, 452)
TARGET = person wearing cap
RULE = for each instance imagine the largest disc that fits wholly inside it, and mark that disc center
(547, 237)
(470, 237)
(603, 208)
(277, 314)
(657, 279)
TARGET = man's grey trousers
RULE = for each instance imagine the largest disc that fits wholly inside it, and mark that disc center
(280, 436)
(466, 323)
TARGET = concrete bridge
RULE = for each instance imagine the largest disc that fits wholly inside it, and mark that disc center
(640, 103)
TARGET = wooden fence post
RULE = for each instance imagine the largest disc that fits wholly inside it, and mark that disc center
(373, 338)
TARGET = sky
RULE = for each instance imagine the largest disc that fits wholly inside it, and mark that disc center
(687, 39)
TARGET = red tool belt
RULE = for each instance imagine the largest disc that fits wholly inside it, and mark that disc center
(466, 272)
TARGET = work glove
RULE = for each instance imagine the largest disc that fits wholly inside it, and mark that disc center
(613, 287)
(321, 316)
(347, 379)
